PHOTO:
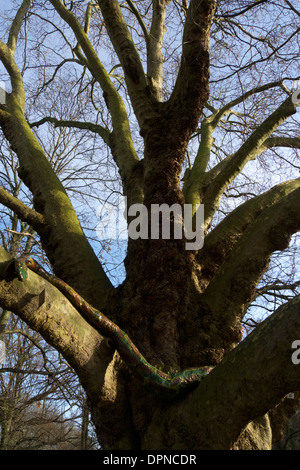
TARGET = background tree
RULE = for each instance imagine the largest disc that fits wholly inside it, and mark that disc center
(42, 405)
(180, 125)
(39, 395)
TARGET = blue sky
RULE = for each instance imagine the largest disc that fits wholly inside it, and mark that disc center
(5, 5)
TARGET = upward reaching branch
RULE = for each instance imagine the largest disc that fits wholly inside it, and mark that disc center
(215, 182)
(155, 57)
(120, 139)
(129, 58)
(7, 52)
(242, 269)
(55, 218)
(7, 59)
(16, 25)
(122, 42)
(191, 88)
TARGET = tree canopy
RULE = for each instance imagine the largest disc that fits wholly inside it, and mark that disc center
(161, 102)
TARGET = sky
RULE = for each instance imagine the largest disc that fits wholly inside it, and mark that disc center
(5, 5)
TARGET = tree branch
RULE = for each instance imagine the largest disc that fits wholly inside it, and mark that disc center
(103, 132)
(57, 321)
(16, 25)
(238, 276)
(193, 180)
(120, 139)
(241, 12)
(15, 370)
(139, 18)
(7, 59)
(155, 57)
(7, 52)
(215, 119)
(289, 142)
(26, 214)
(191, 91)
(292, 7)
(61, 234)
(215, 182)
(221, 240)
(123, 44)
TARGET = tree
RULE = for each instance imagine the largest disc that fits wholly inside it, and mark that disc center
(41, 403)
(230, 91)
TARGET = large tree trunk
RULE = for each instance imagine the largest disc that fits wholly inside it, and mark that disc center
(182, 308)
(129, 414)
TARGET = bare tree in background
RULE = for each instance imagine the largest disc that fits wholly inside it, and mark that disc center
(42, 405)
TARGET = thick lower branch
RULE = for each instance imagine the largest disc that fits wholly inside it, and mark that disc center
(251, 380)
(57, 321)
(221, 240)
(63, 239)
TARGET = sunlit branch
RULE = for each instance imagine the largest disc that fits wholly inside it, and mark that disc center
(16, 25)
(225, 172)
(249, 258)
(139, 18)
(24, 213)
(103, 132)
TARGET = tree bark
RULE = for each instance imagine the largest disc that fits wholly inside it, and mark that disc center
(255, 376)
